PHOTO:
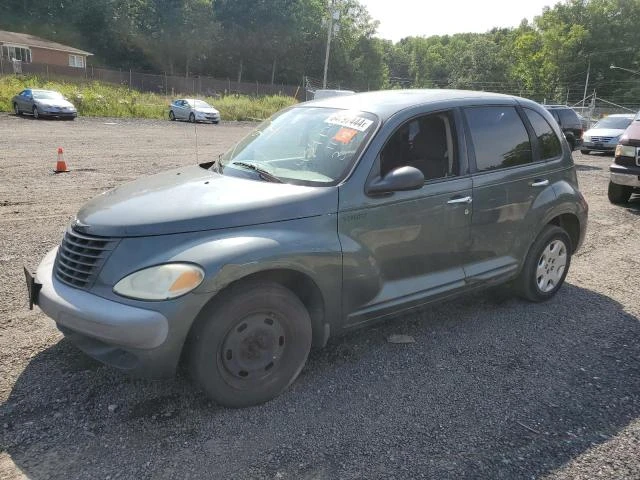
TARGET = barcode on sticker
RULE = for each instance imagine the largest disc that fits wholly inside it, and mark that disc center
(350, 121)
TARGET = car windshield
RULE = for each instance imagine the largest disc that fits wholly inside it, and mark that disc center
(304, 145)
(44, 95)
(613, 122)
(198, 104)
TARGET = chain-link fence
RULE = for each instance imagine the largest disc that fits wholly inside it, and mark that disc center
(147, 82)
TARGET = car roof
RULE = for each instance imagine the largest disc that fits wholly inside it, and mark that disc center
(385, 103)
(621, 115)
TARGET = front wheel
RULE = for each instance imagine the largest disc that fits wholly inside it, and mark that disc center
(618, 193)
(585, 152)
(36, 114)
(250, 344)
(192, 118)
(546, 265)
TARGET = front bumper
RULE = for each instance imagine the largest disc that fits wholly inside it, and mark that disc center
(126, 337)
(600, 147)
(628, 176)
(58, 114)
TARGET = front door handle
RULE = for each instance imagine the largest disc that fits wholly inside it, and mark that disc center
(456, 200)
(540, 183)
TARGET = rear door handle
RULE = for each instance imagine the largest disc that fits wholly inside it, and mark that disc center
(540, 183)
(456, 200)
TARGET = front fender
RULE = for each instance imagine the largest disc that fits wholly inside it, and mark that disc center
(308, 246)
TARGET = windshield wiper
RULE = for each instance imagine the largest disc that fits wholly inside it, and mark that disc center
(264, 174)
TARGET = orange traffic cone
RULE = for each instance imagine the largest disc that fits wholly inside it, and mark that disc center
(61, 165)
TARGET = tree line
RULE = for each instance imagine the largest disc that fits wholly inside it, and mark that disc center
(282, 41)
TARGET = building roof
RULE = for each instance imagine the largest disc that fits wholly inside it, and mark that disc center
(28, 40)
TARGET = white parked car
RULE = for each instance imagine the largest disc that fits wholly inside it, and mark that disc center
(604, 135)
(193, 110)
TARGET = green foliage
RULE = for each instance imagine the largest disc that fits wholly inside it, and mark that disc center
(105, 100)
(283, 40)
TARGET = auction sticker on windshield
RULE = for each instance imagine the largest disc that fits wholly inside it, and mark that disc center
(350, 120)
(345, 135)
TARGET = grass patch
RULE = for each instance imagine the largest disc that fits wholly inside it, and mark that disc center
(98, 99)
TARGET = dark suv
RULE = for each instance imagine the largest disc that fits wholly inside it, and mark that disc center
(625, 170)
(332, 215)
(569, 122)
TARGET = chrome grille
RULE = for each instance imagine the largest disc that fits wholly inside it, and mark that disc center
(80, 258)
(601, 139)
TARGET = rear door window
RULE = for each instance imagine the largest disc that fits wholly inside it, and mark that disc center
(550, 146)
(499, 137)
(568, 117)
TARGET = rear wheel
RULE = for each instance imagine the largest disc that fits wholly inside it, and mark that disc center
(546, 265)
(249, 345)
(619, 193)
(172, 116)
(16, 109)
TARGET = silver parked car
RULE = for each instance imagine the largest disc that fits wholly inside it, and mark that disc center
(43, 103)
(604, 135)
(193, 110)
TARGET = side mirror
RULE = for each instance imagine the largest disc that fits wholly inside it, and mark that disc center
(397, 180)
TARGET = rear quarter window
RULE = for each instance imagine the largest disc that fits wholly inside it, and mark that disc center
(499, 137)
(550, 146)
(568, 117)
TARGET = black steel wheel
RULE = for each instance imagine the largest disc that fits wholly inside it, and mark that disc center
(250, 344)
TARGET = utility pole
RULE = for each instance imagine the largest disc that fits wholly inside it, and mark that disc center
(586, 84)
(334, 15)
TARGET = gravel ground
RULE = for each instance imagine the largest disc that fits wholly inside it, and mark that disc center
(493, 387)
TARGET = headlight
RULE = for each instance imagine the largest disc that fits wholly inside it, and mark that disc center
(625, 151)
(586, 138)
(161, 282)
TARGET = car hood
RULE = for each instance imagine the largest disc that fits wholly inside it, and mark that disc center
(604, 132)
(54, 103)
(193, 199)
(631, 135)
(205, 110)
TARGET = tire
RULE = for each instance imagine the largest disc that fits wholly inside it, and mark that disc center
(250, 344)
(35, 112)
(585, 152)
(17, 110)
(572, 143)
(545, 266)
(172, 116)
(215, 122)
(619, 193)
(192, 118)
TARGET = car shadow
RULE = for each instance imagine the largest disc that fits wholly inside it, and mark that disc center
(493, 387)
(633, 206)
(585, 168)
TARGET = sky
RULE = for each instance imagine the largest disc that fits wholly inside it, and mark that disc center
(404, 18)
